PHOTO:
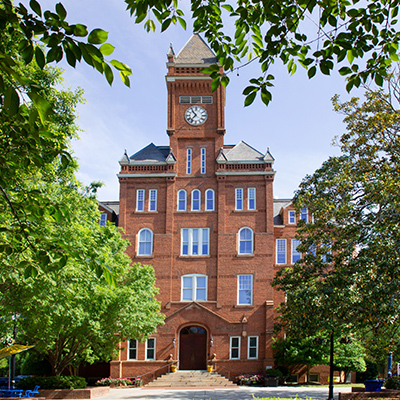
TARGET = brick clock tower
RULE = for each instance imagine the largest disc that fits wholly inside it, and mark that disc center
(201, 213)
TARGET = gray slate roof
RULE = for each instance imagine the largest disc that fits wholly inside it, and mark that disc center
(278, 205)
(150, 154)
(243, 152)
(196, 51)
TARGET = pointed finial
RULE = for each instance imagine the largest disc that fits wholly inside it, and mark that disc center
(171, 53)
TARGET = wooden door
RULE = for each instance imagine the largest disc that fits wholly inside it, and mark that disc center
(193, 348)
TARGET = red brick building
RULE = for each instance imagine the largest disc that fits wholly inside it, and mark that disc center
(202, 213)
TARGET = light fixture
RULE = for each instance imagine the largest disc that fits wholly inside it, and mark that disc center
(173, 342)
(211, 342)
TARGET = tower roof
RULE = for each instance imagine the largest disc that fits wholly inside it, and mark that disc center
(196, 51)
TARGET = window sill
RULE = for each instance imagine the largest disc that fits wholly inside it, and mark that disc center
(245, 255)
(145, 212)
(141, 256)
(194, 256)
(243, 306)
(245, 211)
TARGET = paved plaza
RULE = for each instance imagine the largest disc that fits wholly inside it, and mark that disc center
(240, 393)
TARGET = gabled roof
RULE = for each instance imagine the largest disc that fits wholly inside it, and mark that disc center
(196, 51)
(150, 154)
(279, 206)
(243, 152)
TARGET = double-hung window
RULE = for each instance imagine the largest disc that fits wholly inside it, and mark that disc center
(196, 200)
(281, 251)
(292, 216)
(103, 219)
(304, 214)
(140, 200)
(296, 255)
(203, 160)
(195, 241)
(145, 245)
(238, 199)
(151, 349)
(194, 287)
(245, 241)
(181, 200)
(245, 289)
(234, 348)
(209, 202)
(153, 200)
(132, 349)
(251, 198)
(252, 347)
(189, 161)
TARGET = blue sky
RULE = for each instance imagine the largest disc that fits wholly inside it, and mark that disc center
(298, 126)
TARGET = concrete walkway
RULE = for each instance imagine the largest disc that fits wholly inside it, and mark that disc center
(240, 393)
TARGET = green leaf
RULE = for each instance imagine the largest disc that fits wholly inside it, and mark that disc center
(215, 84)
(11, 101)
(166, 24)
(80, 30)
(350, 56)
(39, 57)
(312, 71)
(249, 89)
(121, 66)
(249, 99)
(378, 79)
(224, 81)
(36, 7)
(125, 78)
(108, 73)
(62, 13)
(97, 36)
(30, 272)
(43, 107)
(107, 49)
(228, 7)
(182, 22)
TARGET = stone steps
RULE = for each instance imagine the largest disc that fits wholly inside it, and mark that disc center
(191, 379)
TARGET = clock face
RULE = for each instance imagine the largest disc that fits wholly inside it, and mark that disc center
(196, 115)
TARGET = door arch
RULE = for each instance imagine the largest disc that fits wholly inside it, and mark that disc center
(192, 348)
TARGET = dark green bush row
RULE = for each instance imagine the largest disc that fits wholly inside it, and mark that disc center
(53, 382)
(393, 383)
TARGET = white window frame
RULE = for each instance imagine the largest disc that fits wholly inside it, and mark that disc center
(189, 154)
(194, 286)
(139, 253)
(278, 251)
(295, 243)
(203, 160)
(206, 200)
(232, 348)
(153, 200)
(245, 240)
(248, 348)
(133, 348)
(239, 199)
(151, 348)
(178, 200)
(140, 199)
(251, 197)
(239, 289)
(103, 219)
(203, 237)
(192, 200)
(292, 217)
(304, 214)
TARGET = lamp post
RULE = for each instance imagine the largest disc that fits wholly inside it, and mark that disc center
(330, 396)
(12, 361)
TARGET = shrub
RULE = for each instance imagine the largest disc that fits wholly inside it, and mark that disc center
(393, 383)
(120, 382)
(250, 379)
(52, 382)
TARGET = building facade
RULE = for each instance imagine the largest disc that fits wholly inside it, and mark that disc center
(202, 213)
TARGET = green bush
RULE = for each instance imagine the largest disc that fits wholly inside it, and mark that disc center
(53, 382)
(393, 383)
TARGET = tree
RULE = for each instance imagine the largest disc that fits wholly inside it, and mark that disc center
(360, 37)
(349, 356)
(73, 315)
(349, 277)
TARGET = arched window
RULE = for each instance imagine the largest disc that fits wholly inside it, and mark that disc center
(145, 245)
(209, 200)
(245, 241)
(181, 200)
(196, 200)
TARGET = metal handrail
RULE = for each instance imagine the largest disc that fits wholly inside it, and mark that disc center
(158, 369)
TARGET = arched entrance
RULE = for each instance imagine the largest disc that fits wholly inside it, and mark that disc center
(193, 348)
